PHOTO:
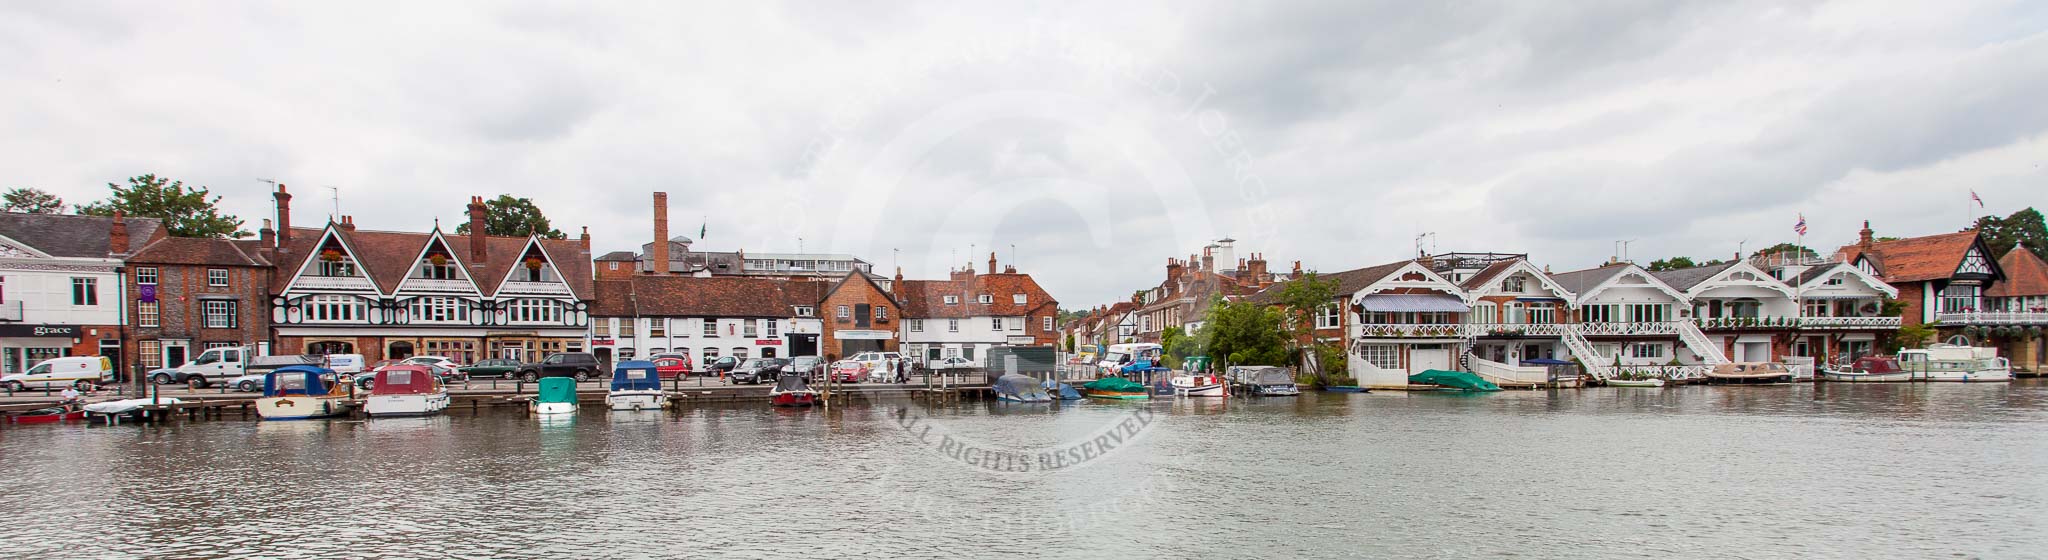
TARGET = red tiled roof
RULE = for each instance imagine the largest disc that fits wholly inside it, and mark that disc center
(1485, 274)
(1917, 259)
(718, 296)
(199, 251)
(1348, 282)
(2025, 275)
(926, 299)
(388, 256)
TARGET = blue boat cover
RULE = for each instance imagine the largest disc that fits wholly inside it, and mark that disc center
(635, 375)
(296, 380)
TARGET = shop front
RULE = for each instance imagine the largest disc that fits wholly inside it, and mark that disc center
(24, 346)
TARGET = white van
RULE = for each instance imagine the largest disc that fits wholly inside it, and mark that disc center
(63, 372)
(215, 365)
(345, 363)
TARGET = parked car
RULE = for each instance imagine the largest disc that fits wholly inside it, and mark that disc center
(76, 371)
(848, 371)
(442, 361)
(671, 367)
(580, 365)
(952, 363)
(880, 365)
(248, 383)
(215, 365)
(721, 365)
(757, 370)
(498, 367)
(811, 367)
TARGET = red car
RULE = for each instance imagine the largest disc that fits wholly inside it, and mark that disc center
(848, 371)
(671, 368)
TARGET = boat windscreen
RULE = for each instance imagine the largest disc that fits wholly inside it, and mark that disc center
(791, 383)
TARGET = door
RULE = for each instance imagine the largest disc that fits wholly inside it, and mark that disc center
(1421, 359)
(174, 354)
(112, 350)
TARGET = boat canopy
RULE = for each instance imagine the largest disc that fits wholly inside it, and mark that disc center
(1453, 379)
(1014, 384)
(296, 380)
(1115, 384)
(1414, 303)
(1062, 391)
(405, 380)
(557, 390)
(791, 383)
(635, 375)
(1272, 376)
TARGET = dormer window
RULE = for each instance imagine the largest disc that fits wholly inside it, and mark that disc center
(437, 267)
(952, 300)
(985, 298)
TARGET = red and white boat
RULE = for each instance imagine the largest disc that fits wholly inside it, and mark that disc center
(791, 390)
(50, 415)
(1202, 385)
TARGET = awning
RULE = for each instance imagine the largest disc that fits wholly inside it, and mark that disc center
(1414, 303)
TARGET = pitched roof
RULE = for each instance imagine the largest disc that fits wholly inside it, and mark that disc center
(1486, 274)
(1683, 279)
(1579, 281)
(388, 256)
(200, 251)
(2025, 275)
(66, 235)
(1916, 259)
(618, 256)
(1348, 282)
(925, 299)
(717, 296)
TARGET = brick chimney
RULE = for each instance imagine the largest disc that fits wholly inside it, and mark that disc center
(1209, 258)
(1256, 269)
(1009, 269)
(585, 240)
(1297, 269)
(898, 286)
(991, 262)
(1173, 268)
(659, 252)
(266, 238)
(348, 223)
(1863, 238)
(284, 217)
(117, 235)
(479, 252)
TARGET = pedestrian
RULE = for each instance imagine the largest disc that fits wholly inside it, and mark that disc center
(902, 371)
(70, 395)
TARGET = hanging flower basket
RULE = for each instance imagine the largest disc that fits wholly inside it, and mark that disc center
(533, 263)
(330, 255)
(438, 259)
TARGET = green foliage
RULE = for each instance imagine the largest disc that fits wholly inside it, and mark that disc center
(2022, 229)
(185, 213)
(1179, 345)
(1891, 308)
(1673, 263)
(1333, 358)
(1913, 336)
(1300, 299)
(513, 217)
(1067, 344)
(1245, 333)
(31, 201)
(1799, 250)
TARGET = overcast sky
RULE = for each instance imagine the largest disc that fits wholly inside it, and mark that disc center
(1097, 139)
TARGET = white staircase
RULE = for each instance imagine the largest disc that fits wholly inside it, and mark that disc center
(1701, 346)
(1597, 366)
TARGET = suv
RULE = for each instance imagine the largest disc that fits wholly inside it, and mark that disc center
(580, 365)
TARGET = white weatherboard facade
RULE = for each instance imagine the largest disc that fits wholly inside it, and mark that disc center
(1742, 293)
(55, 302)
(703, 339)
(931, 340)
(1387, 347)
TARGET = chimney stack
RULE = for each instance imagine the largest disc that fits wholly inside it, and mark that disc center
(1297, 269)
(117, 235)
(659, 252)
(266, 238)
(991, 262)
(1173, 268)
(479, 253)
(348, 223)
(1009, 269)
(898, 286)
(586, 240)
(1209, 258)
(1863, 238)
(284, 217)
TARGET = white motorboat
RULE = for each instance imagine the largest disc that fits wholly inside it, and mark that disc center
(1868, 369)
(1197, 386)
(111, 412)
(302, 392)
(406, 390)
(557, 396)
(636, 386)
(1650, 382)
(1949, 362)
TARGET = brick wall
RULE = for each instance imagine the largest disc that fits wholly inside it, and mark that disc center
(1914, 296)
(852, 292)
(181, 293)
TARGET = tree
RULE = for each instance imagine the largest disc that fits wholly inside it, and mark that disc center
(1300, 300)
(31, 201)
(1245, 333)
(1179, 345)
(1673, 263)
(513, 217)
(1799, 250)
(185, 212)
(2021, 229)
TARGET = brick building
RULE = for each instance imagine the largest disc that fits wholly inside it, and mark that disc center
(1939, 277)
(968, 313)
(192, 294)
(705, 318)
(859, 316)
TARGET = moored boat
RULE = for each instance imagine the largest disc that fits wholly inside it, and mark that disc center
(1460, 380)
(636, 385)
(50, 415)
(1868, 369)
(792, 390)
(406, 390)
(112, 412)
(1062, 391)
(301, 392)
(556, 396)
(1262, 381)
(1949, 362)
(1197, 385)
(1646, 382)
(1115, 388)
(1749, 373)
(1012, 387)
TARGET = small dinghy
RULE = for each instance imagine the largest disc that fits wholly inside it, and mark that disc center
(301, 392)
(1020, 388)
(1645, 382)
(1062, 392)
(1868, 369)
(636, 385)
(557, 395)
(112, 412)
(792, 390)
(50, 415)
(406, 390)
(1750, 373)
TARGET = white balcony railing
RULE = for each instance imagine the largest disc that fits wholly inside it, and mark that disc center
(1515, 329)
(1427, 330)
(1994, 318)
(1658, 328)
(1849, 322)
(1783, 322)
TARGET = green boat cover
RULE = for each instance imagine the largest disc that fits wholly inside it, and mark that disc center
(1453, 379)
(1114, 383)
(557, 389)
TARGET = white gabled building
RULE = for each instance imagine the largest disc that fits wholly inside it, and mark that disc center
(61, 290)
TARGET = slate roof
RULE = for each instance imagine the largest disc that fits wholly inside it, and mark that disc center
(388, 256)
(1685, 278)
(2025, 275)
(1916, 259)
(1579, 281)
(200, 251)
(717, 296)
(627, 256)
(926, 299)
(1487, 274)
(65, 235)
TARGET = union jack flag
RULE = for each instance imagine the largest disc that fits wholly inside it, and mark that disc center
(1801, 226)
(1973, 197)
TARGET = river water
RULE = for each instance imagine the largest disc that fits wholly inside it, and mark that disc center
(1906, 471)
